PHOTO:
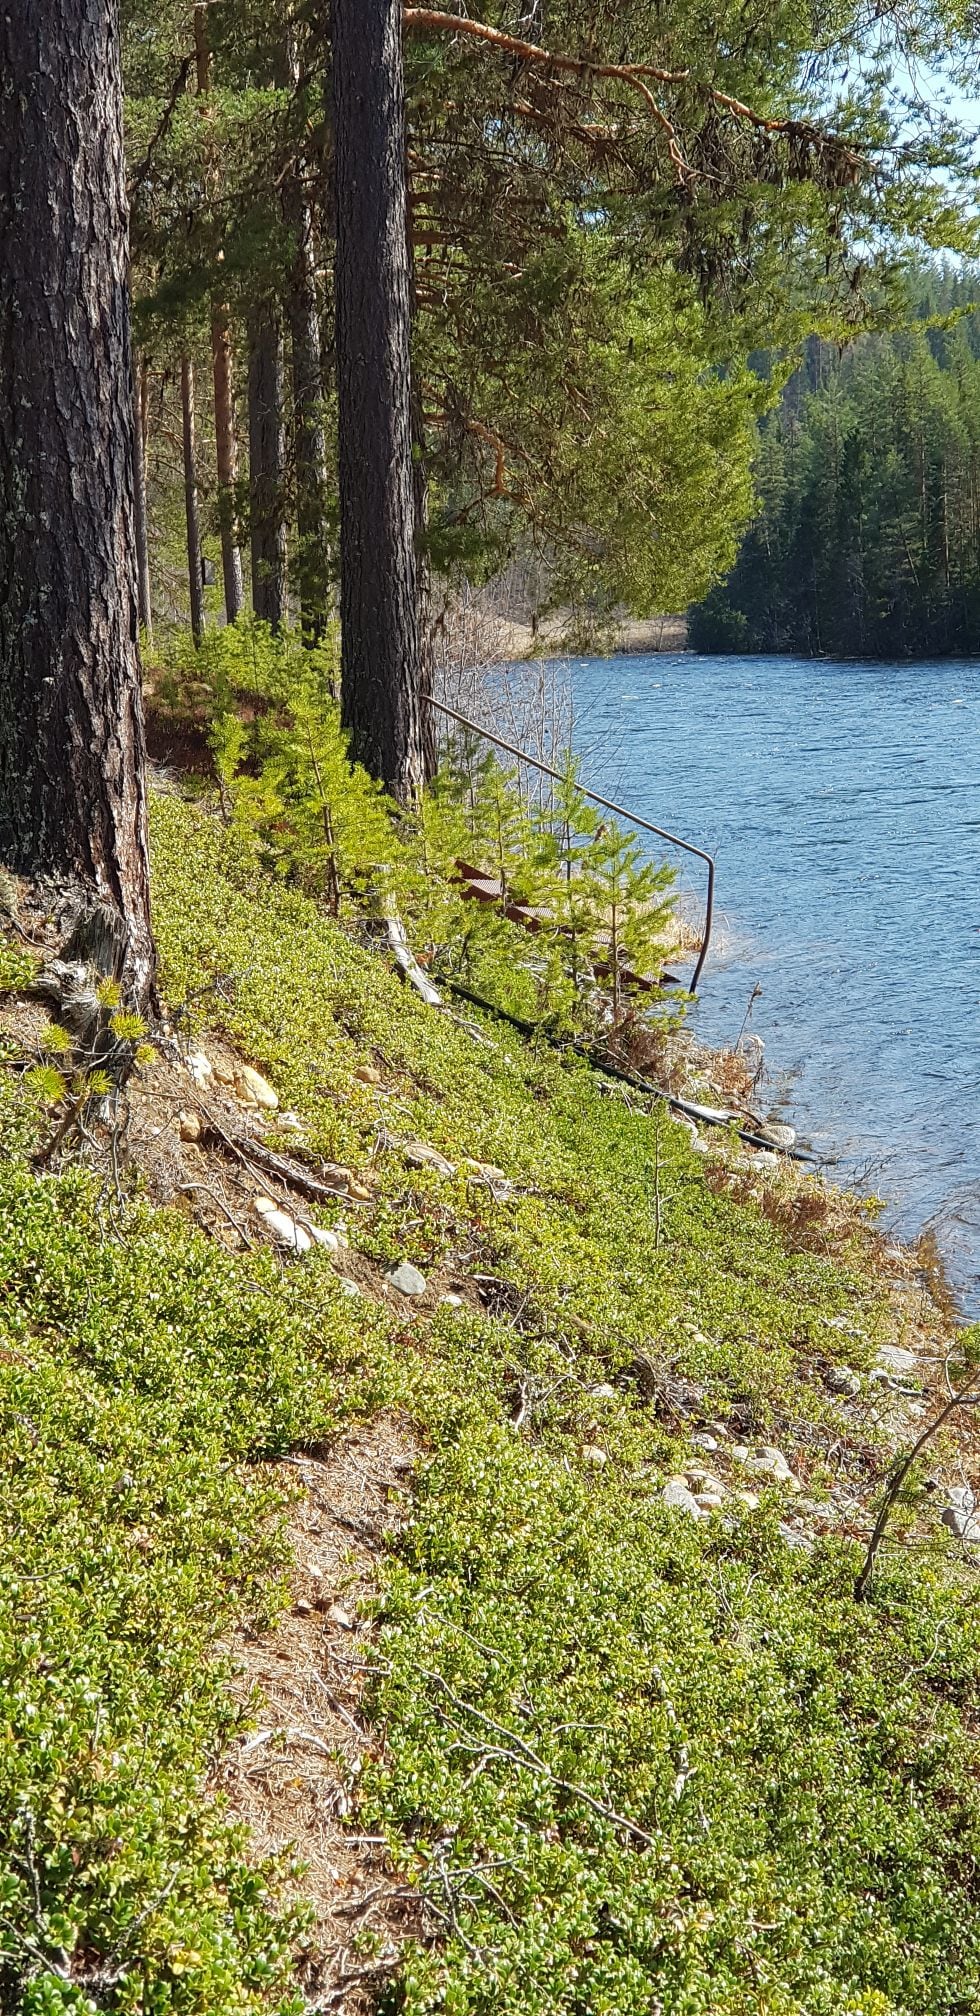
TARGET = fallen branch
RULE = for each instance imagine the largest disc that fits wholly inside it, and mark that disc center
(248, 1151)
(407, 962)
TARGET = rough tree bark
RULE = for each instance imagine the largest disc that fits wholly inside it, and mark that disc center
(222, 360)
(72, 761)
(139, 504)
(195, 567)
(312, 569)
(266, 463)
(381, 675)
(226, 461)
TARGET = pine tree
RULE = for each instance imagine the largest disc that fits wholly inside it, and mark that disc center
(72, 780)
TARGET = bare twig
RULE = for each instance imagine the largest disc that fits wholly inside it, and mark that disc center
(966, 1397)
(518, 1752)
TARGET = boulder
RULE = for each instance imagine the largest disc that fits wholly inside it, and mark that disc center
(282, 1227)
(898, 1363)
(419, 1155)
(680, 1498)
(255, 1090)
(407, 1279)
(769, 1463)
(960, 1514)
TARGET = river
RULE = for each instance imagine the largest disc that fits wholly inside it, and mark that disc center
(842, 804)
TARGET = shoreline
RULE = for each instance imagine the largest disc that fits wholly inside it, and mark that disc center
(516, 643)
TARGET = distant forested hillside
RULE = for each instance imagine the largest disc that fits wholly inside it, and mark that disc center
(868, 538)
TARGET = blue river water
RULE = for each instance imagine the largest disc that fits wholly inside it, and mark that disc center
(842, 803)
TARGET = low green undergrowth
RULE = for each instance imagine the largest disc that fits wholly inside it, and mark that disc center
(287, 788)
(632, 1763)
(143, 1387)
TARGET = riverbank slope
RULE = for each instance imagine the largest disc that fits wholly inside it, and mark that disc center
(525, 1450)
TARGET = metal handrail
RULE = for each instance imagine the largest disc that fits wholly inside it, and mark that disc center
(608, 805)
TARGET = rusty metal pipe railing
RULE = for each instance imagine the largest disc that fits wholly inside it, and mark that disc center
(608, 805)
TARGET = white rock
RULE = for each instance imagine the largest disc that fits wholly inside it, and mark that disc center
(324, 1237)
(740, 1452)
(281, 1227)
(419, 1155)
(592, 1453)
(452, 1301)
(348, 1287)
(200, 1067)
(780, 1135)
(768, 1462)
(703, 1440)
(291, 1123)
(702, 1480)
(602, 1392)
(680, 1499)
(960, 1515)
(894, 1360)
(256, 1089)
(709, 1501)
(407, 1279)
(750, 1499)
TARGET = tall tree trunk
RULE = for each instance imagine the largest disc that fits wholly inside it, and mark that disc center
(381, 673)
(266, 463)
(312, 569)
(72, 756)
(226, 459)
(420, 504)
(139, 506)
(195, 567)
(312, 560)
(226, 447)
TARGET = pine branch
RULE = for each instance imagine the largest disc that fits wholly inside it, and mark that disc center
(808, 144)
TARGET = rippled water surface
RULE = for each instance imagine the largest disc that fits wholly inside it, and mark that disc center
(842, 802)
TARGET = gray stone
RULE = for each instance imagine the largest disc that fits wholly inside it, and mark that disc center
(680, 1499)
(406, 1279)
(704, 1441)
(841, 1379)
(348, 1287)
(801, 1541)
(419, 1155)
(768, 1462)
(899, 1363)
(779, 1134)
(960, 1515)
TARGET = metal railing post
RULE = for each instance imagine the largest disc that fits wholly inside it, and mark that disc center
(608, 805)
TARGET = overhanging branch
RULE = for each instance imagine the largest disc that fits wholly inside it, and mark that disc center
(807, 143)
